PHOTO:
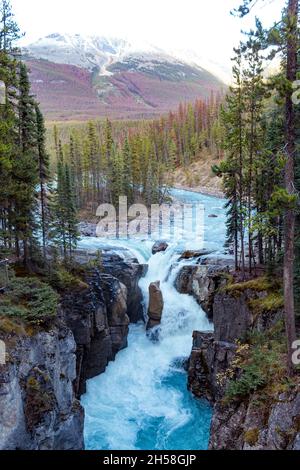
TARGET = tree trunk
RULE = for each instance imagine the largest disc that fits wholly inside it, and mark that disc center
(43, 209)
(241, 188)
(289, 229)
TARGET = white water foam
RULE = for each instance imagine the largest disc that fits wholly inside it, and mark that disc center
(141, 401)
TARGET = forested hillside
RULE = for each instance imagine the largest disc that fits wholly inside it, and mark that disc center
(25, 207)
(261, 169)
(138, 159)
(68, 299)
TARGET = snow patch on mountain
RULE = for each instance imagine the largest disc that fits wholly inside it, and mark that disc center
(89, 52)
(101, 53)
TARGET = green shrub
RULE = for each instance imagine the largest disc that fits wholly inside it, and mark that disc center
(62, 279)
(273, 302)
(29, 299)
(252, 378)
(258, 284)
(261, 368)
(251, 436)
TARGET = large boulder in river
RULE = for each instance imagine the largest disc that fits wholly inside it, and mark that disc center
(159, 246)
(156, 305)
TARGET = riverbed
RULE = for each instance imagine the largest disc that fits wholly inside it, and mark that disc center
(141, 402)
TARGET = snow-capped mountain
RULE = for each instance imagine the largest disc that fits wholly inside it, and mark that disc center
(112, 76)
(86, 51)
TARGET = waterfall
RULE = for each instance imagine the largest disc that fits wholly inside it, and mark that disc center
(141, 401)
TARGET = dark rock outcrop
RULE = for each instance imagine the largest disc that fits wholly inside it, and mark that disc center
(251, 425)
(123, 266)
(38, 408)
(129, 272)
(201, 281)
(246, 423)
(156, 305)
(159, 246)
(87, 229)
(98, 319)
(208, 359)
(232, 316)
(189, 254)
(47, 370)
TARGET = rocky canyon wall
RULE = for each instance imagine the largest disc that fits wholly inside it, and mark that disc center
(46, 369)
(255, 421)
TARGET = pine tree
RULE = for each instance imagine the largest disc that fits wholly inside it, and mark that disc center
(76, 160)
(289, 231)
(25, 166)
(233, 167)
(56, 140)
(94, 161)
(8, 139)
(8, 119)
(286, 38)
(64, 231)
(108, 141)
(297, 186)
(58, 203)
(117, 177)
(254, 94)
(9, 29)
(44, 172)
(23, 160)
(136, 152)
(70, 212)
(127, 160)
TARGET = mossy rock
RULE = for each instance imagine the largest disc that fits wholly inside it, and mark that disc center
(259, 284)
(251, 436)
(273, 302)
(64, 280)
(39, 398)
(12, 325)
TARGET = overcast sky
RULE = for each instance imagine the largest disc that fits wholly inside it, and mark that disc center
(204, 26)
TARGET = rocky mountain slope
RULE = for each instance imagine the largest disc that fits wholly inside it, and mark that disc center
(76, 77)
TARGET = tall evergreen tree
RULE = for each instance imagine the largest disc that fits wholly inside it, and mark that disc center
(286, 36)
(44, 172)
(25, 166)
(9, 29)
(254, 94)
(292, 42)
(64, 231)
(233, 167)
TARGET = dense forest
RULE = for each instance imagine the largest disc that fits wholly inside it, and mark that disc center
(107, 161)
(25, 207)
(261, 169)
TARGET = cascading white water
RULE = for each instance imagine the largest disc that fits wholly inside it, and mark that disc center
(141, 401)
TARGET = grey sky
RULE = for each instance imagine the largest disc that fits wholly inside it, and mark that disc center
(203, 26)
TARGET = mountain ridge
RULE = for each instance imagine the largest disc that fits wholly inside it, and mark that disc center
(81, 77)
